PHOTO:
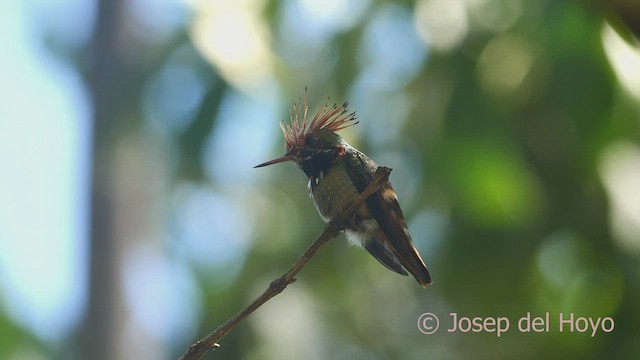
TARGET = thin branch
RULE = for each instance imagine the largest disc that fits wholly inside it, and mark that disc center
(330, 231)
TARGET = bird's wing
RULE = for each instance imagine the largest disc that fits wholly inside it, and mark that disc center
(385, 209)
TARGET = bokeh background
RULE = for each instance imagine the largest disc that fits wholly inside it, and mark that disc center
(132, 222)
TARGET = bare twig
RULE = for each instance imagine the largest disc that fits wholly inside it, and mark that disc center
(330, 231)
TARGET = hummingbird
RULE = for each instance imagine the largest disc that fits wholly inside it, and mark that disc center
(337, 174)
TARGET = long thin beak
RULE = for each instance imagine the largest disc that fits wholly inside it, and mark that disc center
(286, 157)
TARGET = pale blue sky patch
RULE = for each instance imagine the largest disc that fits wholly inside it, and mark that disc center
(44, 124)
(391, 48)
(246, 128)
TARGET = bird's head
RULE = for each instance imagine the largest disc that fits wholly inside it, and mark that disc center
(314, 144)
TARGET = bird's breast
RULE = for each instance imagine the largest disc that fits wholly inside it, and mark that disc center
(333, 192)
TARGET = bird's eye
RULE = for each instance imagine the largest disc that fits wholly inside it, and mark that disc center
(310, 140)
(305, 154)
